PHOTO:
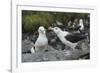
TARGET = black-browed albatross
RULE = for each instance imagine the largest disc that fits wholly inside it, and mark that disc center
(67, 38)
(41, 42)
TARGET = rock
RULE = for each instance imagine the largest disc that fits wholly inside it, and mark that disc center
(33, 38)
(56, 50)
(27, 57)
(83, 45)
(51, 56)
(24, 36)
(58, 47)
(26, 45)
(55, 55)
(46, 56)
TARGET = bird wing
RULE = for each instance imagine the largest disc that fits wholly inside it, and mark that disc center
(75, 37)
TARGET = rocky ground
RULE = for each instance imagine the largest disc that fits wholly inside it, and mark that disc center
(56, 50)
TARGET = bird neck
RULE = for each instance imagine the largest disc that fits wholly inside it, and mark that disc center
(61, 34)
(42, 35)
(81, 24)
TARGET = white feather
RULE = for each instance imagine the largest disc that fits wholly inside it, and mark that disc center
(61, 35)
(81, 24)
(59, 23)
(32, 50)
(42, 41)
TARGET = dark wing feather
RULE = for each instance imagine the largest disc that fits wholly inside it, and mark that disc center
(75, 37)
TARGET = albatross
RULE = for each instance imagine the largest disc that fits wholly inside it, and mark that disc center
(81, 25)
(67, 38)
(41, 42)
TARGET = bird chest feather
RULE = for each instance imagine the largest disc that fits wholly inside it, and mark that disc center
(41, 41)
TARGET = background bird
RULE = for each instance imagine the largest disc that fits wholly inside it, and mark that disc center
(59, 23)
(67, 38)
(41, 42)
(81, 25)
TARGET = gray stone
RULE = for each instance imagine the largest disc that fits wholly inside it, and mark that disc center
(26, 45)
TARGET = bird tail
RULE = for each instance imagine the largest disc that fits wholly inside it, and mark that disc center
(74, 45)
(33, 48)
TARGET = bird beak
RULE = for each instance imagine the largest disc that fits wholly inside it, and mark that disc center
(43, 32)
(50, 28)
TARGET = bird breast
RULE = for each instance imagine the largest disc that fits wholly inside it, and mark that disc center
(41, 41)
(82, 26)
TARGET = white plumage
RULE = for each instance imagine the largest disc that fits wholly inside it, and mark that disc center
(42, 41)
(67, 38)
(81, 24)
(58, 23)
(32, 50)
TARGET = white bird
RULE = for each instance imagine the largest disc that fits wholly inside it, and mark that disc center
(81, 24)
(32, 50)
(69, 23)
(59, 23)
(67, 38)
(41, 42)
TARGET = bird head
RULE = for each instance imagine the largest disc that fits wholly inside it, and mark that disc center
(55, 29)
(41, 30)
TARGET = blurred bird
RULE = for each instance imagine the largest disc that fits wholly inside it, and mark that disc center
(81, 25)
(59, 23)
(41, 42)
(73, 26)
(67, 38)
(69, 23)
(75, 22)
